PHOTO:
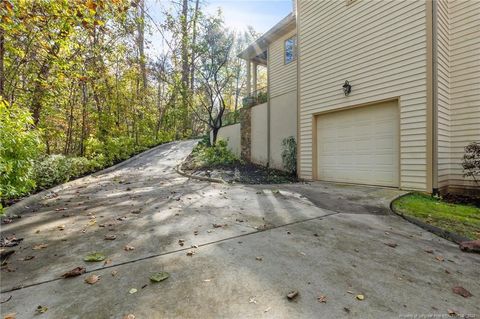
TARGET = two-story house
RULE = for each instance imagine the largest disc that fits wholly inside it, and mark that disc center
(375, 92)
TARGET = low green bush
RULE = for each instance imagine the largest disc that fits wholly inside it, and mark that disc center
(52, 170)
(205, 140)
(19, 146)
(110, 151)
(289, 154)
(219, 154)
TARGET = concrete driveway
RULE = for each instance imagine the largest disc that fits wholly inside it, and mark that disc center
(252, 246)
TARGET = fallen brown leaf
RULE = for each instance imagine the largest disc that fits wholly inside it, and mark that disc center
(259, 258)
(12, 315)
(40, 246)
(92, 279)
(110, 237)
(429, 251)
(322, 299)
(77, 271)
(114, 273)
(292, 294)
(471, 246)
(451, 312)
(41, 309)
(459, 290)
(190, 253)
(10, 241)
(439, 258)
(129, 316)
(27, 258)
(128, 248)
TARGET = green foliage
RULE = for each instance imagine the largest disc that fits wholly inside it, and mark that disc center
(262, 97)
(19, 146)
(204, 141)
(219, 154)
(56, 169)
(289, 154)
(471, 161)
(231, 118)
(112, 150)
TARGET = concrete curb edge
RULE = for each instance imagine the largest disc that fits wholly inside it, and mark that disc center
(453, 237)
(179, 170)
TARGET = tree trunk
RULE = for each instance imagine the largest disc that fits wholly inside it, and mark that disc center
(214, 135)
(69, 135)
(185, 64)
(194, 42)
(84, 118)
(38, 91)
(141, 43)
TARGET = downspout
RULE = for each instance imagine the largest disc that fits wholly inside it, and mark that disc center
(297, 27)
(435, 99)
(268, 106)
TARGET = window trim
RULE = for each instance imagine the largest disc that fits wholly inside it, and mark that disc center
(294, 38)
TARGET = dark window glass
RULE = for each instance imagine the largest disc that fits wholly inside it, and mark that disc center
(290, 49)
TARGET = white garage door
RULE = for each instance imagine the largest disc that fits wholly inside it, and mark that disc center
(359, 145)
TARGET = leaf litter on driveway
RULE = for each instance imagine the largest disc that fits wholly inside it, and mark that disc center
(459, 290)
(92, 279)
(94, 257)
(77, 271)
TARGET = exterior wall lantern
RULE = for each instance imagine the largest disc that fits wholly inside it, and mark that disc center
(347, 88)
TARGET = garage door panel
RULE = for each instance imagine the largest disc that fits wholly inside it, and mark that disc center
(359, 145)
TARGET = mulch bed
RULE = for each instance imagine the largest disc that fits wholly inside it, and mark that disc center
(245, 173)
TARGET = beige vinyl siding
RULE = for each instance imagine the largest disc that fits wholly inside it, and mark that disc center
(259, 134)
(283, 124)
(464, 82)
(381, 48)
(442, 22)
(282, 77)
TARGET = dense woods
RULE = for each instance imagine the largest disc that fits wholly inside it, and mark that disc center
(80, 90)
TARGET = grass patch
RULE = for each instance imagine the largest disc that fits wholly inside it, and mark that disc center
(458, 218)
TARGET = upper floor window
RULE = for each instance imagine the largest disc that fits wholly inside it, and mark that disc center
(290, 49)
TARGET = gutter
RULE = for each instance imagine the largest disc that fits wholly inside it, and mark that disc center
(261, 44)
